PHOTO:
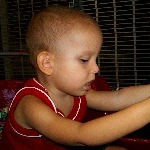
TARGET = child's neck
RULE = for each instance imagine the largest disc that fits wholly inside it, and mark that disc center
(63, 103)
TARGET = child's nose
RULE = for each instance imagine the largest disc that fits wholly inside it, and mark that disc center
(95, 68)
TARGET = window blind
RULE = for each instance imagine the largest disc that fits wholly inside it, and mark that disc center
(15, 17)
(125, 56)
(124, 59)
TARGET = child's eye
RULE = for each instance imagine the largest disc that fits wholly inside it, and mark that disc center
(84, 60)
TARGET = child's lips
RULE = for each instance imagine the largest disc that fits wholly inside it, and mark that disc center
(88, 86)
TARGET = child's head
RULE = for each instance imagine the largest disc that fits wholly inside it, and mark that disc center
(64, 43)
(49, 27)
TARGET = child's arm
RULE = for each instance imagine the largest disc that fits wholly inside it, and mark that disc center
(117, 100)
(33, 113)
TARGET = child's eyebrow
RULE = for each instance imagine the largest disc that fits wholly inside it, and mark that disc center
(90, 52)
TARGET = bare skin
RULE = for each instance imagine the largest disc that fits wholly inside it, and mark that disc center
(62, 87)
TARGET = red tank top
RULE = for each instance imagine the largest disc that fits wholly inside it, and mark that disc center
(18, 138)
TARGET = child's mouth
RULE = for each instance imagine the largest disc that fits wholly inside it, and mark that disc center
(88, 86)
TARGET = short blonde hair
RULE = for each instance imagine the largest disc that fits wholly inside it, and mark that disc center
(49, 25)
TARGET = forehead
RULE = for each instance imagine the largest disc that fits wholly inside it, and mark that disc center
(81, 43)
(81, 39)
(87, 38)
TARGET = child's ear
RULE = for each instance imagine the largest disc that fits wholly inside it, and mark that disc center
(45, 62)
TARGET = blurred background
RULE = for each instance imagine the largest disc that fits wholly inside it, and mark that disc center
(125, 56)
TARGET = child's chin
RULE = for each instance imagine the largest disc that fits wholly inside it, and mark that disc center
(84, 93)
(81, 92)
